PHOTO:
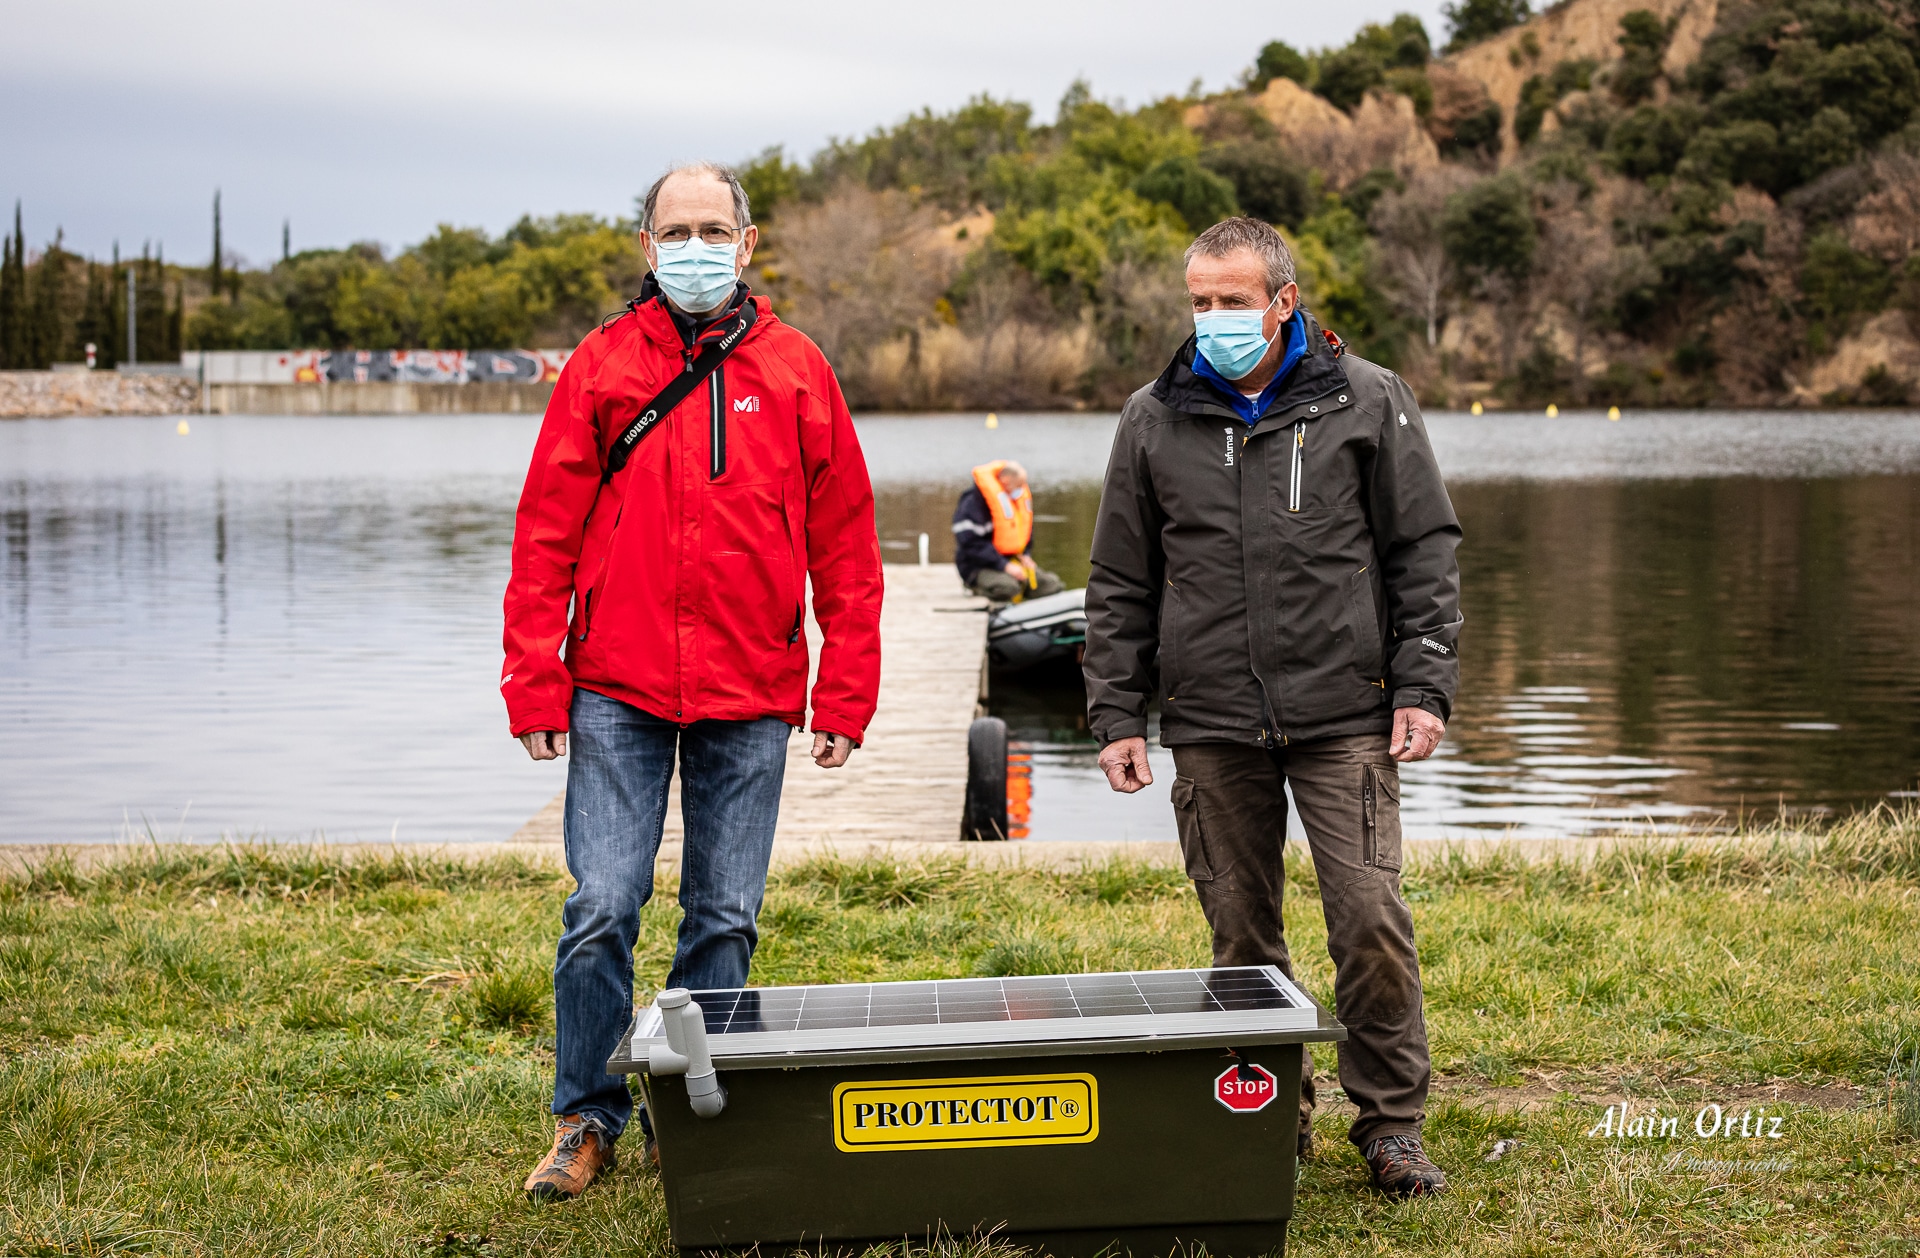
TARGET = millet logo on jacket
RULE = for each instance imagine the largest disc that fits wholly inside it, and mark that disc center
(745, 404)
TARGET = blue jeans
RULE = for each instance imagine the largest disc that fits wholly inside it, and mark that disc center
(619, 762)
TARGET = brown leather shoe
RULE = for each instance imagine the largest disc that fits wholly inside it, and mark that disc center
(581, 1151)
(1401, 1168)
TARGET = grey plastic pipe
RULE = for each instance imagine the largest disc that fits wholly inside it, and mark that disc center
(686, 1052)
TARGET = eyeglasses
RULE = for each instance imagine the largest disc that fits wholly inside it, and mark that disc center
(712, 233)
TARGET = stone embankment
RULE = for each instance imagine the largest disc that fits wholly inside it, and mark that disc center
(52, 394)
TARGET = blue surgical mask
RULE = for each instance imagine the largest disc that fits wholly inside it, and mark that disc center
(696, 275)
(1234, 341)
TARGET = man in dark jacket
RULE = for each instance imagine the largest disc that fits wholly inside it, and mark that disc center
(993, 536)
(1275, 547)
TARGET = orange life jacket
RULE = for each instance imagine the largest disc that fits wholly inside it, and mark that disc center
(1012, 517)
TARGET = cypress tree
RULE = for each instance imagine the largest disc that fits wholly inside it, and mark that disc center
(150, 309)
(177, 320)
(46, 338)
(13, 297)
(286, 240)
(213, 272)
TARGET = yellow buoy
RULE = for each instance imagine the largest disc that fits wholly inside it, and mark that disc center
(181, 428)
(1553, 412)
(1613, 413)
(1478, 409)
(993, 421)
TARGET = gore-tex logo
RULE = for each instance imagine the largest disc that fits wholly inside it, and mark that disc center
(1431, 645)
(749, 403)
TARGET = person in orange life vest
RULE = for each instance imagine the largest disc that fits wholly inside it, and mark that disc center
(992, 530)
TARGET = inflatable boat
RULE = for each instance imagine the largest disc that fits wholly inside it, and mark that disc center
(1037, 631)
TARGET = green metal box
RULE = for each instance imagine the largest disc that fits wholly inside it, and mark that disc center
(1083, 1114)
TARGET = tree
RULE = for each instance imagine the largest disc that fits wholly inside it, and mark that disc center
(1584, 271)
(770, 179)
(1202, 197)
(1277, 60)
(1471, 21)
(213, 269)
(13, 298)
(1413, 254)
(1489, 235)
(858, 269)
(45, 332)
(1346, 76)
(1643, 44)
(1268, 184)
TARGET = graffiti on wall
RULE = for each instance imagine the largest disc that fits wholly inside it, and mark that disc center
(366, 366)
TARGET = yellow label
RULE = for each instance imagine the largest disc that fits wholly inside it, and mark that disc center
(989, 1113)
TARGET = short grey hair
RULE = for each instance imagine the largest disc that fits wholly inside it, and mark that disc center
(742, 213)
(1234, 234)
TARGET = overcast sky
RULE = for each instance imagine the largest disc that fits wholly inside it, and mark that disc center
(373, 121)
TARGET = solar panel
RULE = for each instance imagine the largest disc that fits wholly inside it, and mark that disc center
(752, 1020)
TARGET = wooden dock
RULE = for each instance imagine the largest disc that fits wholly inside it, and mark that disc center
(906, 785)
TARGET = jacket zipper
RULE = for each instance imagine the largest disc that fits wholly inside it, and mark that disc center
(1293, 483)
(717, 463)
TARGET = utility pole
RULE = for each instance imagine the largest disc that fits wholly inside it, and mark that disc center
(132, 356)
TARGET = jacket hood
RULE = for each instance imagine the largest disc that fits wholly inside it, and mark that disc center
(1317, 372)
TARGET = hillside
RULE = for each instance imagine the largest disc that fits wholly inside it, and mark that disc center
(1638, 202)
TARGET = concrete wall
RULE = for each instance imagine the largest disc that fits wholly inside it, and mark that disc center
(51, 394)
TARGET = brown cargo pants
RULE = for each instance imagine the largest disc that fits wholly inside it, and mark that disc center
(1232, 815)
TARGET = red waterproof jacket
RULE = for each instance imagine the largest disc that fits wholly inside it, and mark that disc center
(685, 573)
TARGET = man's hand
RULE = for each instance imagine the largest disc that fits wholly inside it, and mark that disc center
(1017, 570)
(1416, 733)
(1124, 761)
(830, 751)
(545, 744)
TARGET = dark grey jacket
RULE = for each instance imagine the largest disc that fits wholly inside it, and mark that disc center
(1289, 581)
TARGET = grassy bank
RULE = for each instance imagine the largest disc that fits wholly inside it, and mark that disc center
(280, 1051)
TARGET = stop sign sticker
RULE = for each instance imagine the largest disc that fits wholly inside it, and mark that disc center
(1245, 1092)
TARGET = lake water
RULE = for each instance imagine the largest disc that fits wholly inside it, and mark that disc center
(290, 627)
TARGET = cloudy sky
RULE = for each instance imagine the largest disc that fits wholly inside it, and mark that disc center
(359, 120)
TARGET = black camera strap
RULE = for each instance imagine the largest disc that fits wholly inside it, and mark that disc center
(699, 367)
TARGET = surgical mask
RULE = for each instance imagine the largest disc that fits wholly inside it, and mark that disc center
(1234, 341)
(696, 275)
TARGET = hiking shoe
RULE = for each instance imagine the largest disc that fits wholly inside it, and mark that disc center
(1401, 1168)
(581, 1151)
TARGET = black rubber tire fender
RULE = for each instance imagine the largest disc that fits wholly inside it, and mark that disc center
(986, 810)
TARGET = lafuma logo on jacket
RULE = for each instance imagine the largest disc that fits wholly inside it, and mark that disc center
(1229, 433)
(749, 403)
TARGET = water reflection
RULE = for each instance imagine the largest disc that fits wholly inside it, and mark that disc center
(1711, 637)
(292, 625)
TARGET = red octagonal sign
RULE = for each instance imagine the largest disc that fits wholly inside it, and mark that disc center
(1245, 1095)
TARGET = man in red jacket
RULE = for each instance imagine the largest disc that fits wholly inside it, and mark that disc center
(660, 560)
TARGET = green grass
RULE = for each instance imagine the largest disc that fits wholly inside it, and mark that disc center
(277, 1050)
